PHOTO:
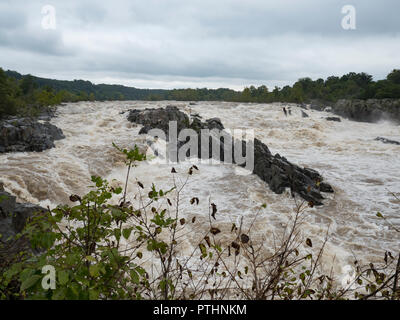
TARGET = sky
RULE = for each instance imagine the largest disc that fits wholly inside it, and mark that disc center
(199, 43)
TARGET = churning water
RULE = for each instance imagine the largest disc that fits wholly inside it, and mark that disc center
(362, 171)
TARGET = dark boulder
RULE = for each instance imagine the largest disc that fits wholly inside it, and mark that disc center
(159, 118)
(24, 135)
(337, 119)
(317, 106)
(388, 141)
(275, 170)
(304, 115)
(14, 215)
(371, 110)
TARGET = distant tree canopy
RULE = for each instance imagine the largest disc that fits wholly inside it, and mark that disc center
(27, 94)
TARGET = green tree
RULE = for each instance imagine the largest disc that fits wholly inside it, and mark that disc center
(394, 76)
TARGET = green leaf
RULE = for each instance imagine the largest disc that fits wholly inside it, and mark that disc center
(117, 233)
(30, 282)
(63, 277)
(90, 258)
(59, 294)
(93, 294)
(127, 233)
(94, 270)
(24, 275)
(135, 277)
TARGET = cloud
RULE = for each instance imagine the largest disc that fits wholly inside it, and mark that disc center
(158, 43)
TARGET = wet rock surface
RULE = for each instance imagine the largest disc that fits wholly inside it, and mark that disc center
(14, 215)
(25, 134)
(387, 141)
(304, 115)
(336, 119)
(275, 170)
(371, 110)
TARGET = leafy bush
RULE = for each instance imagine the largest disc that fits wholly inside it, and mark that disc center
(101, 248)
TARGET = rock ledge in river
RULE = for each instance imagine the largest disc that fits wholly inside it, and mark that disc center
(275, 170)
(24, 135)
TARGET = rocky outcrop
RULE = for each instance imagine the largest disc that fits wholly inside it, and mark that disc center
(13, 215)
(159, 119)
(319, 105)
(388, 141)
(371, 110)
(275, 170)
(24, 134)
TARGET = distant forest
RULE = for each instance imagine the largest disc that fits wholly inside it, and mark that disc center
(28, 95)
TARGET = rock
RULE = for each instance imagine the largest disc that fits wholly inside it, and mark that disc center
(13, 215)
(388, 141)
(316, 105)
(47, 114)
(328, 109)
(196, 115)
(214, 123)
(13, 218)
(22, 212)
(7, 203)
(275, 170)
(24, 135)
(337, 119)
(304, 115)
(159, 118)
(371, 110)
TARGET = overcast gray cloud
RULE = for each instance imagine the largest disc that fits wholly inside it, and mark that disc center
(193, 43)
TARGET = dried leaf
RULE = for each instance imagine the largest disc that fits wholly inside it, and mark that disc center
(75, 198)
(214, 210)
(309, 242)
(140, 184)
(244, 238)
(215, 231)
(235, 245)
(233, 227)
(207, 238)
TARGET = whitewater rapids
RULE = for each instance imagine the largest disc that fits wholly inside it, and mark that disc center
(362, 171)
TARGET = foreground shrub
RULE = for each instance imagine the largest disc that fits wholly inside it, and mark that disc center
(105, 247)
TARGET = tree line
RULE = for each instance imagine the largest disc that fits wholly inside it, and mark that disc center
(28, 95)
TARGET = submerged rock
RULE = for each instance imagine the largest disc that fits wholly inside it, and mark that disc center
(337, 119)
(388, 141)
(304, 115)
(275, 170)
(24, 134)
